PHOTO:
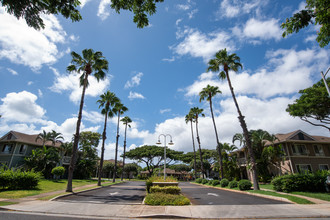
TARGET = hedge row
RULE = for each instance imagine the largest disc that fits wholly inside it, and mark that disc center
(166, 199)
(166, 189)
(242, 184)
(18, 179)
(307, 182)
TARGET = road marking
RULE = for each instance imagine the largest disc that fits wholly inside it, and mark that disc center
(212, 194)
(115, 193)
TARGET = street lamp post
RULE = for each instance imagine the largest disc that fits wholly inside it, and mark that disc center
(170, 143)
(325, 81)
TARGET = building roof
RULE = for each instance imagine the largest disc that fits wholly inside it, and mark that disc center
(299, 136)
(14, 136)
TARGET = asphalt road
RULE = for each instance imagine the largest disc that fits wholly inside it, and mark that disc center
(201, 195)
(128, 193)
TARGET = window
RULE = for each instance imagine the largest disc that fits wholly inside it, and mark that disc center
(318, 149)
(22, 149)
(324, 167)
(299, 149)
(7, 149)
(303, 168)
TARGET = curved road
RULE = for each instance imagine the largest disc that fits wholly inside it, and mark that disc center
(202, 195)
(128, 193)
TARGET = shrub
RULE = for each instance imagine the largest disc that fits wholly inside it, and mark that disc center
(166, 199)
(58, 171)
(244, 185)
(165, 189)
(204, 181)
(148, 184)
(18, 179)
(233, 184)
(215, 182)
(307, 182)
(210, 182)
(199, 180)
(224, 182)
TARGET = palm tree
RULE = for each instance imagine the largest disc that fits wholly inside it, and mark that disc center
(107, 100)
(44, 137)
(126, 120)
(232, 62)
(86, 64)
(55, 137)
(190, 118)
(196, 112)
(119, 109)
(207, 93)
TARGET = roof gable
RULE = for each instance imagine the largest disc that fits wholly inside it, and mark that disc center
(301, 136)
(26, 139)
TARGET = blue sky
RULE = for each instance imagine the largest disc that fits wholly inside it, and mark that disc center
(158, 71)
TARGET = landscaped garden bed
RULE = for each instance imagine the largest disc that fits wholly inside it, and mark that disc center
(163, 193)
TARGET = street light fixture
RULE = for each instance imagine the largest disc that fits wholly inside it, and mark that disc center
(170, 143)
(325, 81)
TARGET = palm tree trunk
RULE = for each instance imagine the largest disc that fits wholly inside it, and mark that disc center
(193, 141)
(102, 150)
(116, 153)
(122, 173)
(218, 143)
(200, 150)
(246, 136)
(76, 138)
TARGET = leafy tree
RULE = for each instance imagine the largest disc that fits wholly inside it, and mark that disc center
(32, 11)
(87, 64)
(232, 62)
(107, 169)
(87, 154)
(118, 109)
(313, 104)
(207, 93)
(140, 8)
(180, 167)
(55, 137)
(44, 137)
(190, 118)
(43, 160)
(130, 168)
(126, 120)
(152, 156)
(316, 11)
(107, 101)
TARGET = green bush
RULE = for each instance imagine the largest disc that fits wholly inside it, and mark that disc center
(148, 184)
(210, 182)
(166, 199)
(215, 182)
(204, 181)
(165, 189)
(199, 180)
(58, 171)
(244, 185)
(224, 182)
(304, 182)
(18, 179)
(233, 184)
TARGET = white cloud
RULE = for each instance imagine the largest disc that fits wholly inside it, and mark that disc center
(40, 94)
(22, 107)
(104, 9)
(183, 7)
(263, 30)
(192, 13)
(235, 8)
(29, 83)
(135, 81)
(135, 95)
(71, 83)
(12, 71)
(24, 45)
(93, 117)
(162, 111)
(172, 59)
(197, 44)
(84, 2)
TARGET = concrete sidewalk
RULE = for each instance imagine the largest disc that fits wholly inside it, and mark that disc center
(204, 211)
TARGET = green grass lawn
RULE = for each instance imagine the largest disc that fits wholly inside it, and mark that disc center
(322, 196)
(44, 186)
(289, 197)
(266, 186)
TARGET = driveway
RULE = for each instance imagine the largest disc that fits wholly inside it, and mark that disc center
(128, 193)
(202, 195)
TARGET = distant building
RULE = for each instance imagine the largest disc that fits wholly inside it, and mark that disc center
(15, 146)
(303, 152)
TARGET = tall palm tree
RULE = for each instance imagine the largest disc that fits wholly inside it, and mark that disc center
(90, 62)
(207, 93)
(232, 62)
(106, 101)
(196, 112)
(190, 118)
(126, 120)
(119, 109)
(44, 137)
